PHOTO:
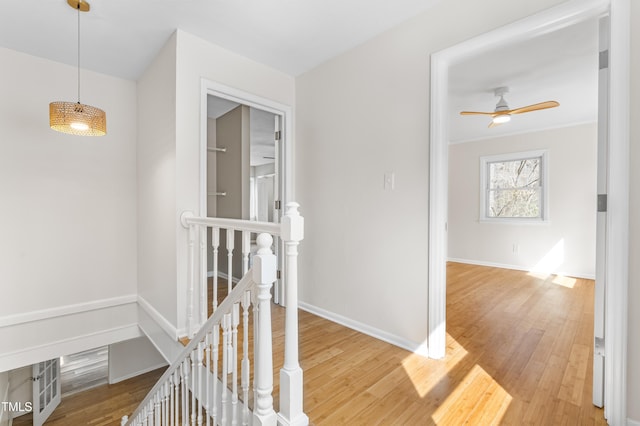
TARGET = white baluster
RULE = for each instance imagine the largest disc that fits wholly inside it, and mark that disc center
(173, 419)
(176, 397)
(207, 354)
(124, 420)
(191, 296)
(157, 409)
(230, 245)
(185, 392)
(194, 374)
(216, 346)
(264, 274)
(204, 305)
(234, 364)
(165, 403)
(226, 326)
(246, 249)
(246, 303)
(215, 243)
(200, 361)
(291, 385)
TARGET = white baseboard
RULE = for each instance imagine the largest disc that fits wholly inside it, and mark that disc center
(517, 267)
(417, 348)
(224, 276)
(158, 318)
(631, 422)
(41, 314)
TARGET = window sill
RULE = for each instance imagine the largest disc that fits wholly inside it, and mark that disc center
(515, 221)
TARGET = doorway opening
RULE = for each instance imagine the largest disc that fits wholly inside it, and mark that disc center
(245, 168)
(616, 243)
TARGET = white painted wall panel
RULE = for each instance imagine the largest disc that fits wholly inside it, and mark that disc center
(359, 115)
(156, 158)
(133, 357)
(31, 342)
(564, 245)
(68, 226)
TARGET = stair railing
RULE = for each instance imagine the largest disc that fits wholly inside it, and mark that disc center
(205, 347)
(195, 388)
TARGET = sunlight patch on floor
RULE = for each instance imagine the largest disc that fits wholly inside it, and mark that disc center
(427, 373)
(477, 400)
(564, 281)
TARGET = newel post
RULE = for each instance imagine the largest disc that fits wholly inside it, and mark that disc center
(291, 385)
(264, 275)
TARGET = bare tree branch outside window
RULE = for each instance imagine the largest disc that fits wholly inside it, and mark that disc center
(514, 188)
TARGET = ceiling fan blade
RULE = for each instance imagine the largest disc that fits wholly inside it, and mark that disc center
(493, 124)
(476, 113)
(535, 107)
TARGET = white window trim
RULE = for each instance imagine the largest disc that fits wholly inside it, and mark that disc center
(544, 187)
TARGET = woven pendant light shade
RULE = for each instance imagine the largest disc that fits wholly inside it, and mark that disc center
(77, 119)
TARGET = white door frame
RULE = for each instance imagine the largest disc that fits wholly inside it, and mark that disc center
(618, 195)
(285, 166)
(209, 87)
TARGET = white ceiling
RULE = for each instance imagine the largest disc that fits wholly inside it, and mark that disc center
(121, 37)
(560, 66)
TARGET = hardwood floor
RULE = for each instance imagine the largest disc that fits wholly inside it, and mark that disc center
(102, 405)
(519, 352)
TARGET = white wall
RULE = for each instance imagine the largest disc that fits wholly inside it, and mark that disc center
(68, 228)
(572, 161)
(633, 354)
(131, 358)
(360, 115)
(156, 167)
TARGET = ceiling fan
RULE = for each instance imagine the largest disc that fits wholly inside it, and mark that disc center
(502, 113)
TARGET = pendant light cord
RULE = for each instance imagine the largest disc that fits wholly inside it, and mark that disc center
(78, 8)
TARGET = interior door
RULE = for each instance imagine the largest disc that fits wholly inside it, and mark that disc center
(46, 389)
(601, 222)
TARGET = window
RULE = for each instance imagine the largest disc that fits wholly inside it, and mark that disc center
(514, 187)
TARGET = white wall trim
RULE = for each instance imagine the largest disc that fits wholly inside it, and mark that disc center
(168, 328)
(33, 354)
(617, 245)
(77, 308)
(516, 267)
(631, 422)
(417, 348)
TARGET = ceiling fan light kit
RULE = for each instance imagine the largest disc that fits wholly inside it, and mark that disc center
(76, 118)
(502, 114)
